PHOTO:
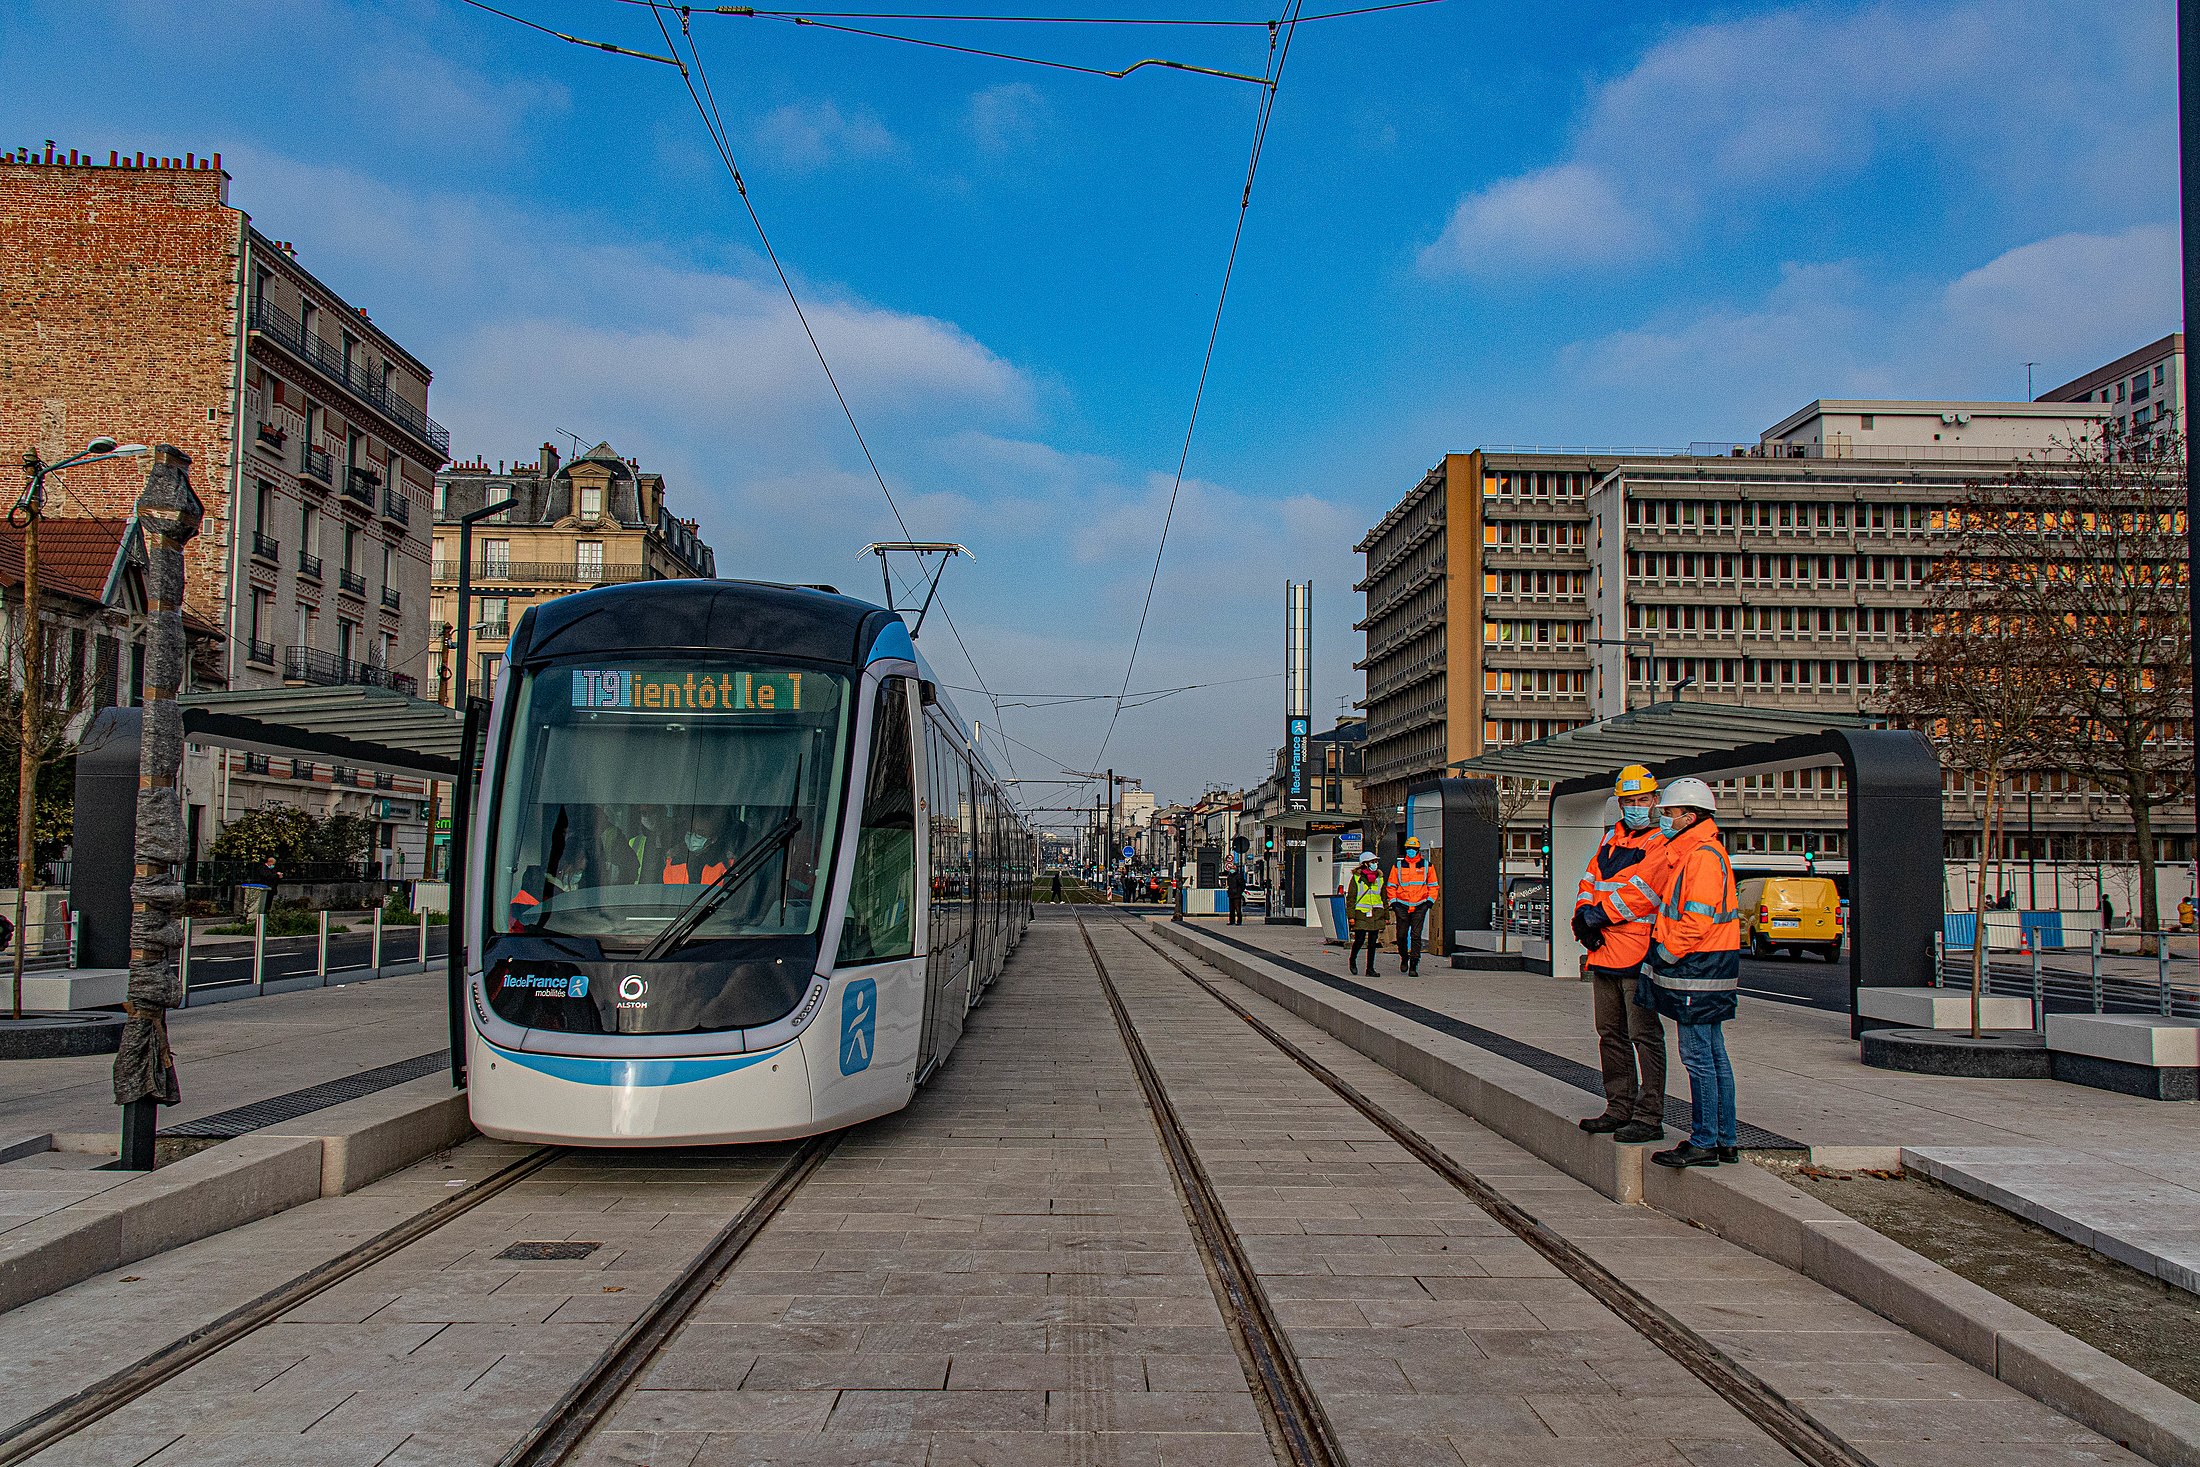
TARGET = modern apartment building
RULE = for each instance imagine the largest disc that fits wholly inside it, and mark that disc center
(598, 520)
(135, 301)
(2144, 392)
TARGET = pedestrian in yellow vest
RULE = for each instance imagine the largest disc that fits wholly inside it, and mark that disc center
(1363, 900)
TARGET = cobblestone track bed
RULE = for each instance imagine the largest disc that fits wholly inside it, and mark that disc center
(1416, 1353)
(1786, 1423)
(426, 1347)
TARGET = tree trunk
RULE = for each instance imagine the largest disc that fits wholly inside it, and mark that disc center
(1978, 930)
(26, 776)
(2142, 817)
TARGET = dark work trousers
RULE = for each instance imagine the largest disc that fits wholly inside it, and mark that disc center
(1372, 941)
(1237, 906)
(1408, 920)
(1630, 1047)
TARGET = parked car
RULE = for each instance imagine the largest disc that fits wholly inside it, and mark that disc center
(1798, 914)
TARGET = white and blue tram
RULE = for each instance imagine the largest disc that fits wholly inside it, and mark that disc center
(739, 874)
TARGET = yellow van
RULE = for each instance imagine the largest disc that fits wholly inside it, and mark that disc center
(1799, 913)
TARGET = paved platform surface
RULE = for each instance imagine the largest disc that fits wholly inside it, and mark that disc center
(232, 1054)
(2111, 1171)
(1003, 1274)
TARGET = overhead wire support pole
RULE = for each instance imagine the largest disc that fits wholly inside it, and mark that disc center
(2188, 99)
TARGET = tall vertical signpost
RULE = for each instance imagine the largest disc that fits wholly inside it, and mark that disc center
(1287, 872)
(2188, 107)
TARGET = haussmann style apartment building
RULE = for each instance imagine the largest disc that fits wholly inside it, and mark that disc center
(1511, 596)
(136, 301)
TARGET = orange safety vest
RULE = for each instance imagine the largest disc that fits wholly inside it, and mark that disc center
(1411, 882)
(1622, 881)
(676, 873)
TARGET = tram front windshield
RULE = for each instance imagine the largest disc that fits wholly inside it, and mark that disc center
(634, 791)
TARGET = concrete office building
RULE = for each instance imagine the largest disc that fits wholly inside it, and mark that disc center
(1789, 572)
(1476, 621)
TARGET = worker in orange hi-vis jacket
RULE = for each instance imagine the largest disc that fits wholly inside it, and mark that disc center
(1615, 907)
(1695, 968)
(1410, 891)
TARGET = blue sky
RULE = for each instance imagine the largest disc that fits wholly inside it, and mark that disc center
(1474, 224)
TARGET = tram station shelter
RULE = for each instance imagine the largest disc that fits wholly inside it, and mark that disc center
(376, 729)
(1894, 834)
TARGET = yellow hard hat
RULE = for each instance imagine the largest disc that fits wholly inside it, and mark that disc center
(1413, 843)
(1635, 780)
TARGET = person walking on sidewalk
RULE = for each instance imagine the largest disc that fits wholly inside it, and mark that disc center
(1615, 908)
(1363, 903)
(1410, 891)
(1234, 884)
(1696, 967)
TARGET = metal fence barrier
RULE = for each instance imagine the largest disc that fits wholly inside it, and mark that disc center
(216, 976)
(2081, 980)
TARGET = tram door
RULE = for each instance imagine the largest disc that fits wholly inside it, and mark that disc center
(949, 823)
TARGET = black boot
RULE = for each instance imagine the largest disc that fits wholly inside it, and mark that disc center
(1604, 1124)
(1635, 1133)
(1730, 1154)
(1688, 1153)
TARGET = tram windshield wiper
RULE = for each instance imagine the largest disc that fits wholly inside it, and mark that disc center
(713, 896)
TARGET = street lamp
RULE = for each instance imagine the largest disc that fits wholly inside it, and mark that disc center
(24, 515)
(462, 789)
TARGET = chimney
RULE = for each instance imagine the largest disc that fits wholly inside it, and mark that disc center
(549, 461)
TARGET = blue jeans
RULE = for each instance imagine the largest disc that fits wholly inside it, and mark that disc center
(1710, 1085)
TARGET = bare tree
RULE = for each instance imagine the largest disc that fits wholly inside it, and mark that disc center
(2085, 557)
(34, 740)
(1978, 687)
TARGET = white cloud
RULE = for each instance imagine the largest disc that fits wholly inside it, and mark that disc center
(1753, 117)
(1007, 117)
(808, 136)
(2069, 303)
(1557, 217)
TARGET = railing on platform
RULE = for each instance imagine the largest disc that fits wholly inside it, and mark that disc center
(250, 965)
(2075, 979)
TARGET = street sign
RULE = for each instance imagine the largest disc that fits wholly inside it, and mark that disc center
(1129, 851)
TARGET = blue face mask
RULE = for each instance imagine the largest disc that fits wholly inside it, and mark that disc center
(1665, 825)
(1635, 817)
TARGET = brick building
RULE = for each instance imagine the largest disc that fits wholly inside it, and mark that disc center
(136, 301)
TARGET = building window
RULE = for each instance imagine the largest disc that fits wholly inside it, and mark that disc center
(389, 567)
(496, 557)
(347, 639)
(591, 501)
(351, 549)
(263, 505)
(588, 560)
(1868, 422)
(496, 616)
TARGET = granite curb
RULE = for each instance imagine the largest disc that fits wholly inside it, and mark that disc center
(238, 1181)
(1753, 1209)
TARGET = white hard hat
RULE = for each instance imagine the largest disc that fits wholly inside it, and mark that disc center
(1689, 793)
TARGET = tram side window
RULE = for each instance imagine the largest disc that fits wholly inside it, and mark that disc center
(882, 895)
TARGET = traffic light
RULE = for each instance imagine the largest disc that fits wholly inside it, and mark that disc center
(1269, 844)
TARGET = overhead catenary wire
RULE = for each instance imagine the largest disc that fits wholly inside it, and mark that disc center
(706, 107)
(1279, 56)
(1219, 22)
(1116, 75)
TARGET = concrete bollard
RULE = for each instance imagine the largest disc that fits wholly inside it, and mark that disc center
(320, 959)
(259, 953)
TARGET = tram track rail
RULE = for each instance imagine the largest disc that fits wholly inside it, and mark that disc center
(1783, 1420)
(101, 1399)
(562, 1431)
(1298, 1427)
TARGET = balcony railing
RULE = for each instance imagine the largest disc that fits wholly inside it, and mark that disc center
(266, 548)
(496, 629)
(263, 652)
(556, 572)
(309, 566)
(391, 600)
(395, 508)
(327, 670)
(351, 581)
(360, 484)
(315, 464)
(257, 764)
(290, 334)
